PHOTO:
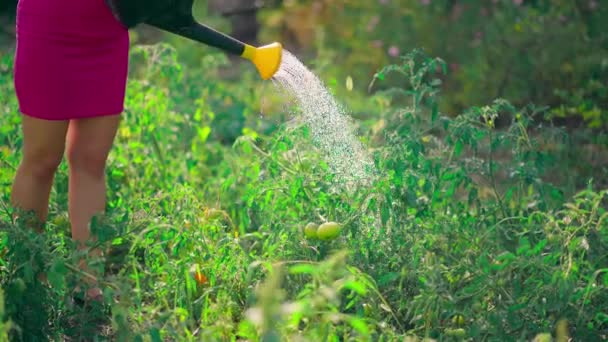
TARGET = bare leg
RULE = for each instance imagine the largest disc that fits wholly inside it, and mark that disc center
(88, 145)
(43, 147)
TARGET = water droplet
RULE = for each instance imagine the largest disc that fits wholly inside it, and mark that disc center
(330, 127)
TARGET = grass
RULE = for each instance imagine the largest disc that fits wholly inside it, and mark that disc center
(467, 232)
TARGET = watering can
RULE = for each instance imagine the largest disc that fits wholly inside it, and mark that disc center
(176, 16)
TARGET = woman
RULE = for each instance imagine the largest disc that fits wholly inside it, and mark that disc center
(70, 75)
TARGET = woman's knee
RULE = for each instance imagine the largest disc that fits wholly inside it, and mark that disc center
(87, 159)
(43, 146)
(41, 163)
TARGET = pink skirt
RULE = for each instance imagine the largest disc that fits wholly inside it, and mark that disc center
(71, 59)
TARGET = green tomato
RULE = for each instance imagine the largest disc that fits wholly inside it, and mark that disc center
(477, 307)
(459, 333)
(543, 337)
(329, 231)
(310, 231)
(19, 285)
(458, 320)
(61, 221)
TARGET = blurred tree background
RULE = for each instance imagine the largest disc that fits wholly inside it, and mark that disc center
(548, 52)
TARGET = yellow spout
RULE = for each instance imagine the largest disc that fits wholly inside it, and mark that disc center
(266, 59)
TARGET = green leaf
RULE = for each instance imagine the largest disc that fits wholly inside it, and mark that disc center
(384, 213)
(485, 264)
(509, 194)
(539, 247)
(479, 135)
(59, 267)
(448, 176)
(155, 335)
(504, 259)
(356, 286)
(282, 147)
(518, 307)
(56, 275)
(359, 325)
(451, 189)
(601, 317)
(458, 148)
(387, 278)
(2, 303)
(434, 112)
(247, 149)
(303, 269)
(203, 133)
(473, 195)
(524, 246)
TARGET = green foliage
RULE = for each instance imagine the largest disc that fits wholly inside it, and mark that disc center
(5, 325)
(467, 231)
(547, 52)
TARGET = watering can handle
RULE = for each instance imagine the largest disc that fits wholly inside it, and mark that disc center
(180, 21)
(189, 28)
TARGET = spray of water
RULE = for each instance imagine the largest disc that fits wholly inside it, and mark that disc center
(330, 126)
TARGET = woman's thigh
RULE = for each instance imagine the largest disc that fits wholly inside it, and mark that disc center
(90, 140)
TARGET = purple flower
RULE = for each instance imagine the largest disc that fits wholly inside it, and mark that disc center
(518, 2)
(393, 51)
(425, 2)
